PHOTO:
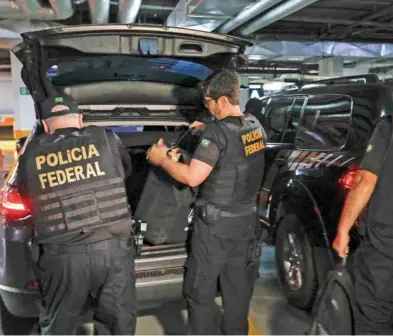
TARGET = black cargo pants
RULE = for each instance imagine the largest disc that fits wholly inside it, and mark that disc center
(218, 257)
(71, 276)
(373, 281)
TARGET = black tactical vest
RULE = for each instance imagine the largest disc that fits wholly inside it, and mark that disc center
(74, 183)
(237, 176)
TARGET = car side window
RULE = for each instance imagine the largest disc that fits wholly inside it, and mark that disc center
(282, 115)
(325, 121)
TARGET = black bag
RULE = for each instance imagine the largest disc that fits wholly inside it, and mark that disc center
(165, 204)
(333, 309)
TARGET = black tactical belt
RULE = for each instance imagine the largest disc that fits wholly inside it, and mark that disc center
(108, 244)
(237, 213)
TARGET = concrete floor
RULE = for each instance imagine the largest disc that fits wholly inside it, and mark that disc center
(269, 313)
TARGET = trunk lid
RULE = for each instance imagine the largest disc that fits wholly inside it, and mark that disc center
(77, 59)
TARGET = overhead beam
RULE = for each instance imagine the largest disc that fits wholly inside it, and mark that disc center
(341, 33)
(287, 8)
(275, 71)
(344, 22)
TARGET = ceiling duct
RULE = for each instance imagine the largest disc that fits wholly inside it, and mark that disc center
(128, 11)
(33, 10)
(99, 11)
(276, 14)
(205, 15)
(320, 48)
(247, 14)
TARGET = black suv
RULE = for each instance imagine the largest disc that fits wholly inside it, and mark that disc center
(141, 82)
(317, 135)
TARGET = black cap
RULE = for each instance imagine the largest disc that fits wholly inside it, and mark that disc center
(52, 101)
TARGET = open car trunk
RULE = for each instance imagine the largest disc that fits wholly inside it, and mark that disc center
(131, 76)
(153, 64)
(139, 76)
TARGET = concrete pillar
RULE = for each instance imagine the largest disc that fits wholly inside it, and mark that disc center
(360, 69)
(331, 67)
(23, 104)
(243, 91)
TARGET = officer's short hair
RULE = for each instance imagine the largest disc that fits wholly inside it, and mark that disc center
(223, 82)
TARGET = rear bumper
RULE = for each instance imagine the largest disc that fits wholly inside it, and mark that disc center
(150, 292)
(159, 274)
(20, 302)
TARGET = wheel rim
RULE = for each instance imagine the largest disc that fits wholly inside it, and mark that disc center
(293, 262)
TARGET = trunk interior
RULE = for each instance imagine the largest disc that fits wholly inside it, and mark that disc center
(137, 144)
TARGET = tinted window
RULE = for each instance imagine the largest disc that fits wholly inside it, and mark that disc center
(325, 121)
(281, 116)
(131, 68)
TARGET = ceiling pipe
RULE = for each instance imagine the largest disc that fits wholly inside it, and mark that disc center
(276, 14)
(33, 10)
(247, 14)
(99, 11)
(157, 8)
(128, 11)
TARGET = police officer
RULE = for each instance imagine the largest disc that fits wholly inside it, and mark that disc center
(254, 107)
(74, 178)
(373, 259)
(228, 167)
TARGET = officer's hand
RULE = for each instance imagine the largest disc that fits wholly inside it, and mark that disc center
(341, 244)
(197, 124)
(157, 153)
(174, 154)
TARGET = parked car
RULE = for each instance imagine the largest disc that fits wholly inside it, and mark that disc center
(317, 136)
(141, 81)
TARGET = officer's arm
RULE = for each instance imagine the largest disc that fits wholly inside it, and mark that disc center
(203, 161)
(357, 199)
(193, 174)
(367, 176)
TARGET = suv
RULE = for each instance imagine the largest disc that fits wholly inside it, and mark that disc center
(142, 82)
(316, 137)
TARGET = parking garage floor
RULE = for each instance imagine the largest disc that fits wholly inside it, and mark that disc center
(269, 314)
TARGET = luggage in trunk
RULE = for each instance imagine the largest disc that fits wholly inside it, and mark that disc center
(165, 206)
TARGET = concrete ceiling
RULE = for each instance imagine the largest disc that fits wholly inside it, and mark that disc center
(292, 21)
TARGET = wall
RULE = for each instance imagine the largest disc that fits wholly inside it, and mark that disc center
(6, 96)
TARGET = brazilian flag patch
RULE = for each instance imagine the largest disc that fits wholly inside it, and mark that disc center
(370, 148)
(205, 143)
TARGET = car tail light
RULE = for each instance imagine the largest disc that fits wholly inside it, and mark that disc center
(348, 178)
(12, 204)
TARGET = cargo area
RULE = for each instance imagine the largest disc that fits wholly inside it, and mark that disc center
(138, 140)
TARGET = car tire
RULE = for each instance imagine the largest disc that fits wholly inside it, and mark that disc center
(15, 325)
(295, 263)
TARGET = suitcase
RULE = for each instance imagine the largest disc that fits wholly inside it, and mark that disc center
(165, 204)
(333, 309)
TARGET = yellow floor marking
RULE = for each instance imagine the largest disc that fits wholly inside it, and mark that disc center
(252, 328)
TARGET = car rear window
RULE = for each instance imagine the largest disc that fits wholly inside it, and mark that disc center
(111, 68)
(314, 121)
